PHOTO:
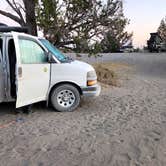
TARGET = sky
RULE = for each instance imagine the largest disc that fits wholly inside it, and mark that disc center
(144, 15)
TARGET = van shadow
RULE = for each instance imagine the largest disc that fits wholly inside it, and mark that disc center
(41, 107)
(7, 108)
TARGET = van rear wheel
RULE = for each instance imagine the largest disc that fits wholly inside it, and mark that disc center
(65, 98)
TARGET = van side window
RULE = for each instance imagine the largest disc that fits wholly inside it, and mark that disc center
(31, 52)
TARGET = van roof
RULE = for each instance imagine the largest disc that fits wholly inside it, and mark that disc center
(21, 34)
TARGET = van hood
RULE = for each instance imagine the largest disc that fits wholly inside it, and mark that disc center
(74, 71)
(82, 65)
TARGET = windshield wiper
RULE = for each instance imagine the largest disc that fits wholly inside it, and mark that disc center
(67, 59)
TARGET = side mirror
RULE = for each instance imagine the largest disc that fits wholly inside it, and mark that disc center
(51, 58)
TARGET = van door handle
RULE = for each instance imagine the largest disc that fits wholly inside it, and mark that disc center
(45, 69)
(20, 72)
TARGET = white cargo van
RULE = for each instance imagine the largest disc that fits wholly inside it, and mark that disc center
(33, 70)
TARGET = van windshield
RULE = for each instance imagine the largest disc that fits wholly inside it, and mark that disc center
(60, 56)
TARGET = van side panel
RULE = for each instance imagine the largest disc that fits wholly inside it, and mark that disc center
(68, 72)
(2, 88)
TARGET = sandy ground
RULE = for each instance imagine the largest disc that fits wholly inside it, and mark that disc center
(125, 126)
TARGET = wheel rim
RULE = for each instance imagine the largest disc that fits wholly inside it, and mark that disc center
(66, 98)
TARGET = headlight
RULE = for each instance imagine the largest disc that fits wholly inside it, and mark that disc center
(91, 78)
(91, 75)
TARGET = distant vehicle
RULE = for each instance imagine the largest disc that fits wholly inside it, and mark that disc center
(162, 47)
(33, 70)
(155, 43)
(127, 49)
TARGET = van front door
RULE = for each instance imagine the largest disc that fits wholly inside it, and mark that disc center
(33, 70)
(2, 88)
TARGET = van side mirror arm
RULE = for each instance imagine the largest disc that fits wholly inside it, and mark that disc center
(50, 58)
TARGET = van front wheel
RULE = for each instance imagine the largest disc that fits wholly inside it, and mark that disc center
(65, 98)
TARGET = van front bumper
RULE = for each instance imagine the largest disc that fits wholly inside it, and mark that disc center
(91, 91)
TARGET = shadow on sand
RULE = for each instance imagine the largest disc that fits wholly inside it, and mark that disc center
(9, 108)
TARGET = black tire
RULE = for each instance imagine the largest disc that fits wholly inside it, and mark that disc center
(62, 103)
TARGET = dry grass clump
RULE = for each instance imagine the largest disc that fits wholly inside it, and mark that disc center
(106, 76)
(108, 73)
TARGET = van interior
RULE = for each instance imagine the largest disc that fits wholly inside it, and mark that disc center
(12, 67)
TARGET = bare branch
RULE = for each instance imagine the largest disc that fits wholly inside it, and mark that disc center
(11, 5)
(20, 7)
(11, 16)
(14, 6)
